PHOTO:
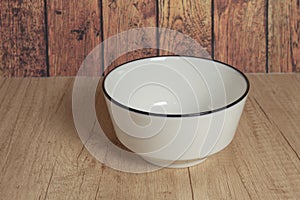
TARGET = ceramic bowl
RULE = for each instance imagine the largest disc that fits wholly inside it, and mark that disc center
(175, 111)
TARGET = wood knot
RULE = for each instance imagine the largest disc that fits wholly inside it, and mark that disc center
(80, 33)
(147, 8)
(178, 23)
(112, 4)
(58, 12)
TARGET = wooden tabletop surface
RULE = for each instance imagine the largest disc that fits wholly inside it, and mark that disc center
(42, 157)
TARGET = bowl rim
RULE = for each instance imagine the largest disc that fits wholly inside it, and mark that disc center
(177, 115)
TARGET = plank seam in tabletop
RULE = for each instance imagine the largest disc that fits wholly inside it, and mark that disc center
(98, 186)
(60, 101)
(191, 185)
(50, 180)
(84, 144)
(100, 179)
(273, 123)
(242, 180)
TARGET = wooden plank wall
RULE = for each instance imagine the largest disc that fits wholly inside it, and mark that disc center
(189, 17)
(284, 36)
(52, 38)
(120, 16)
(240, 34)
(22, 39)
(74, 29)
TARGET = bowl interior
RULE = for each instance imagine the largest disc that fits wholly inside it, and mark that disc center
(175, 85)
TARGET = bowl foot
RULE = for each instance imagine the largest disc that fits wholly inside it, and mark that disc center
(175, 164)
(185, 164)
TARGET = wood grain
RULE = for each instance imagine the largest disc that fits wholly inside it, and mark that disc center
(240, 36)
(191, 18)
(259, 168)
(41, 156)
(52, 162)
(272, 147)
(22, 39)
(163, 184)
(284, 36)
(37, 38)
(284, 110)
(121, 15)
(74, 30)
(258, 164)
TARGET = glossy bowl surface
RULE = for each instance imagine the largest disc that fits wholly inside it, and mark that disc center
(175, 110)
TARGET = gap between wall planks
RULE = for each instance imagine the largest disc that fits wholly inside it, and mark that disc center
(240, 37)
(120, 16)
(284, 36)
(74, 29)
(22, 39)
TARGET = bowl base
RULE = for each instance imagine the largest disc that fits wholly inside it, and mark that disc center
(176, 164)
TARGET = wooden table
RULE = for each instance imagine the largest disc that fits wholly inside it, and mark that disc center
(42, 157)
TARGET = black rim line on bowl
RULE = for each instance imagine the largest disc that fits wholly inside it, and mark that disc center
(178, 115)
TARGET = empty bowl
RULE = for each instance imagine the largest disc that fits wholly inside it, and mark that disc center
(175, 111)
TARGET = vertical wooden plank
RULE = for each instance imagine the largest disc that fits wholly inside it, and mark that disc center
(192, 18)
(74, 30)
(121, 15)
(284, 35)
(240, 36)
(22, 43)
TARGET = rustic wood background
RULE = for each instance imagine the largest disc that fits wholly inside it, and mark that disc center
(51, 38)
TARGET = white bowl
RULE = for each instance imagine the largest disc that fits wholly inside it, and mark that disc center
(175, 111)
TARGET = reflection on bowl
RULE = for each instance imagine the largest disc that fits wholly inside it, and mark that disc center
(175, 111)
